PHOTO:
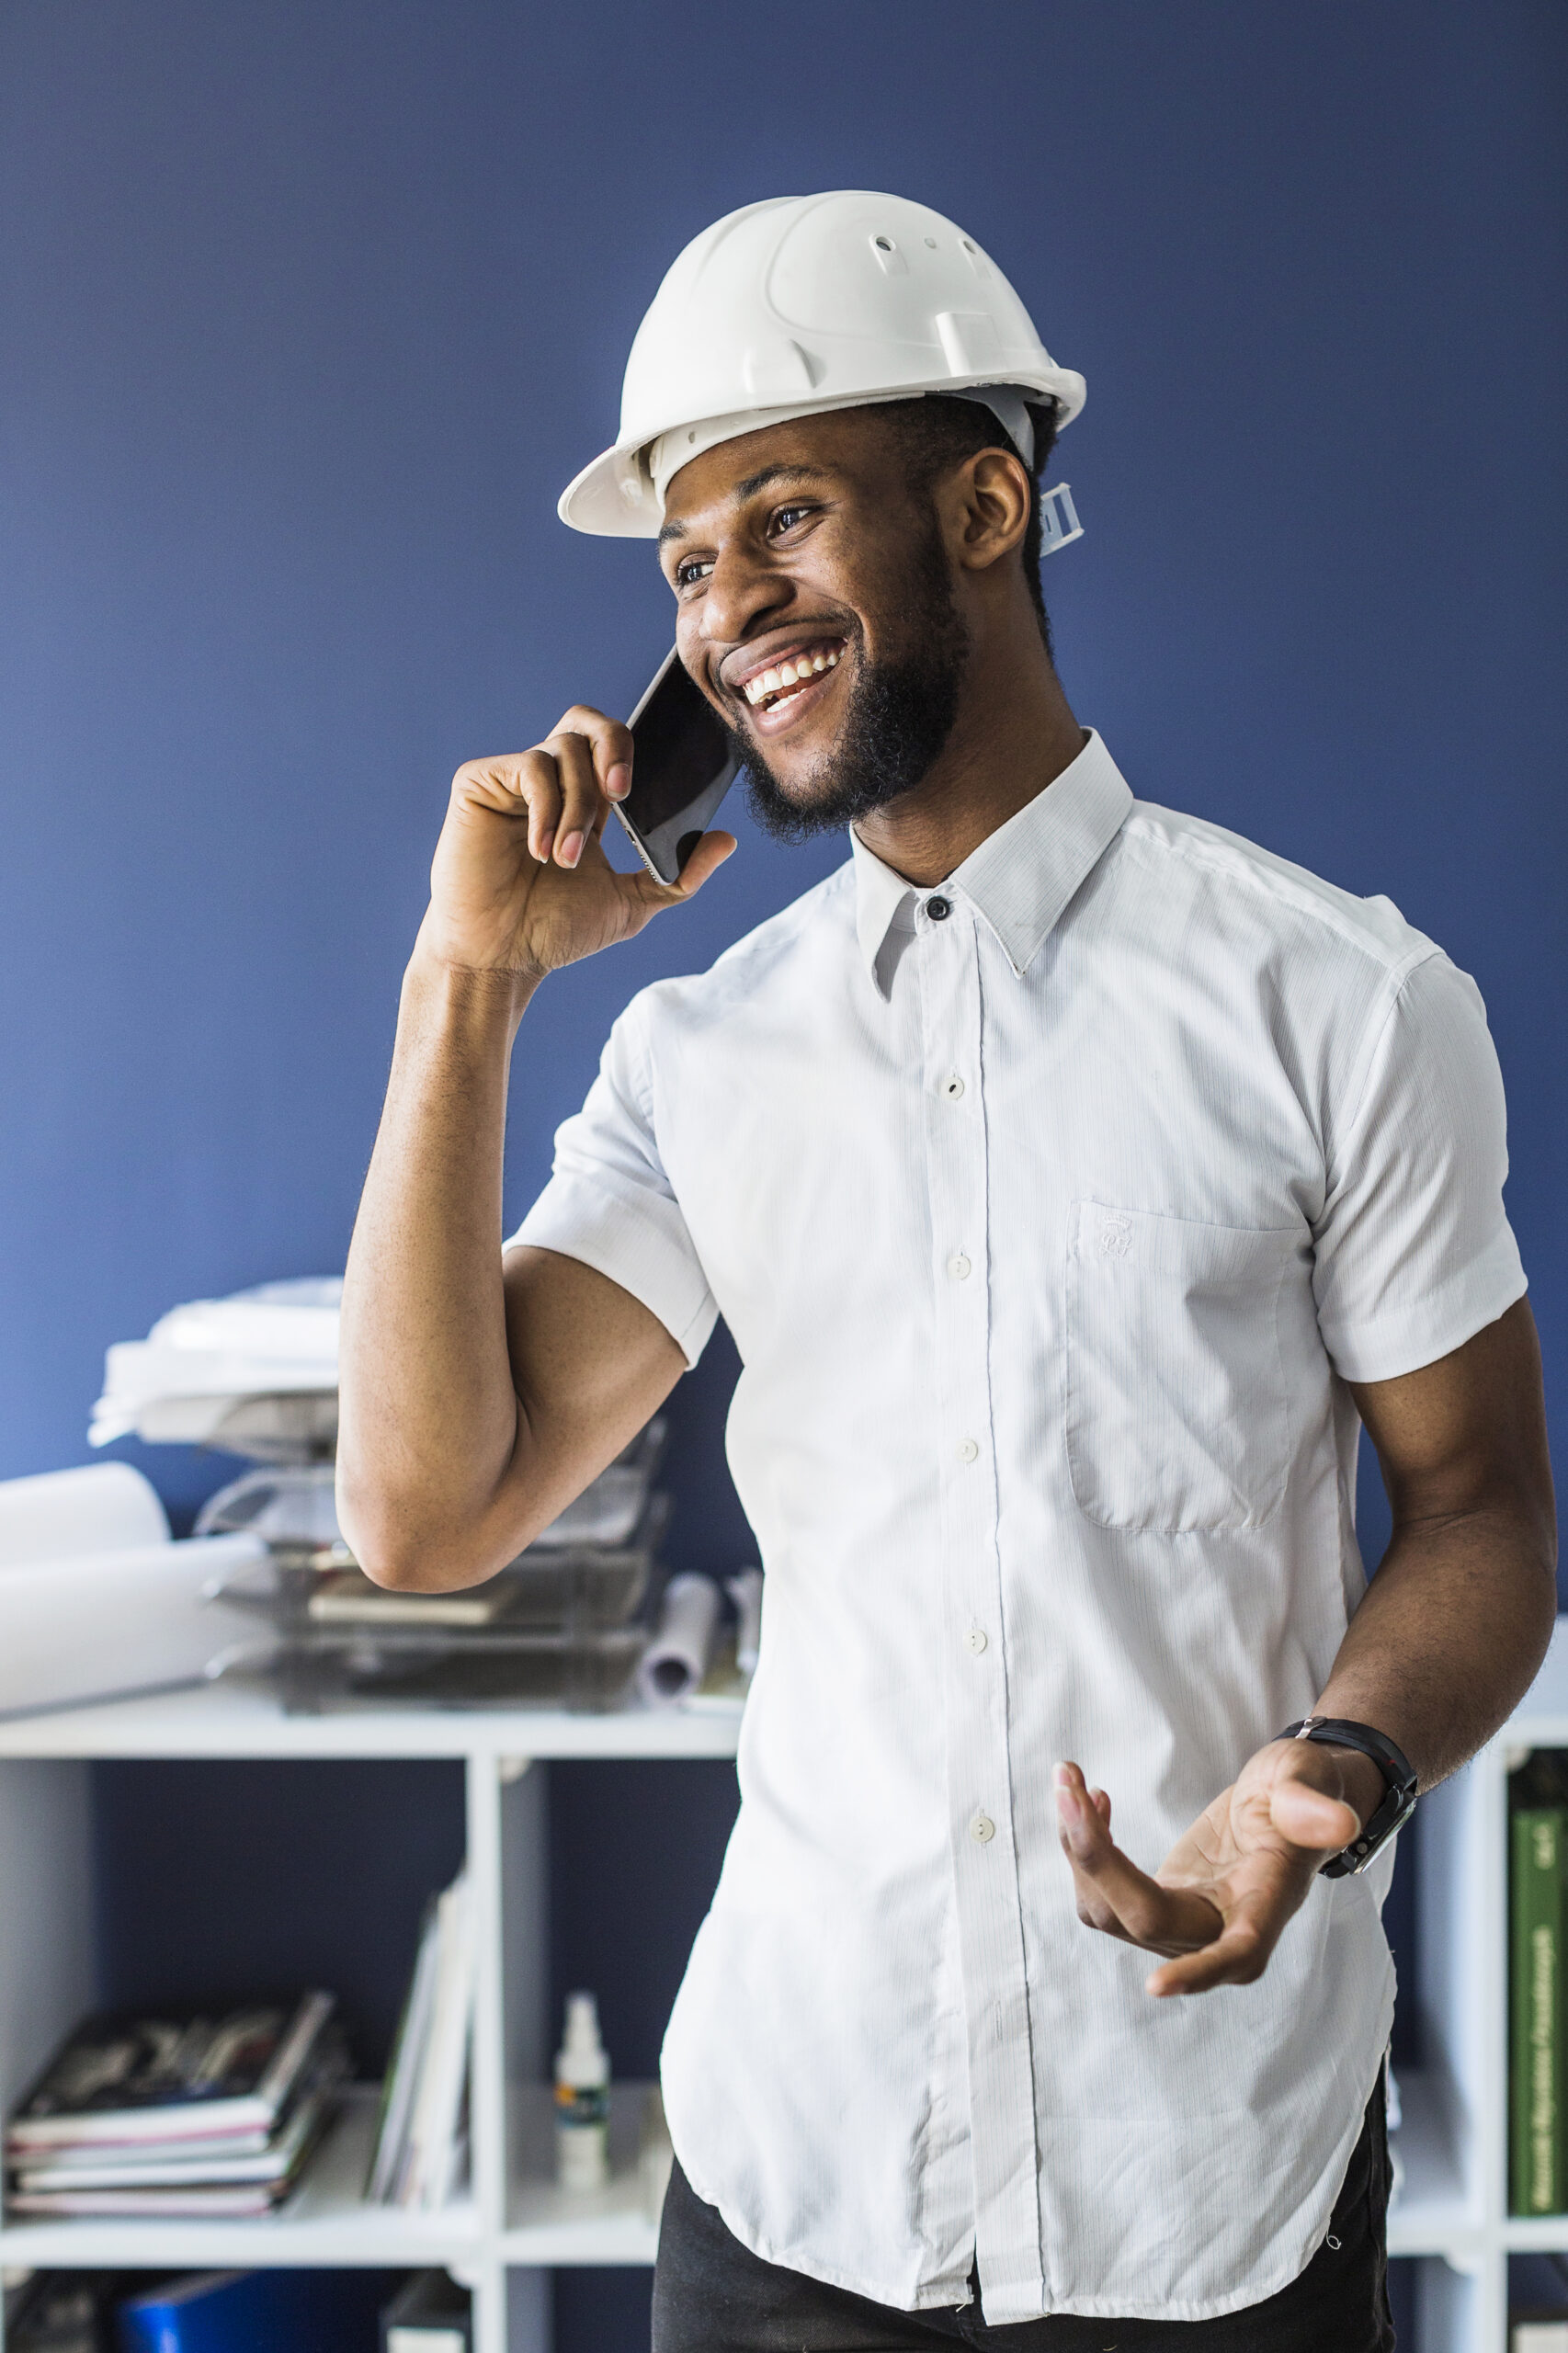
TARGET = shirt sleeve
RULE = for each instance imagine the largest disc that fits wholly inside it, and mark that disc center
(1413, 1252)
(610, 1202)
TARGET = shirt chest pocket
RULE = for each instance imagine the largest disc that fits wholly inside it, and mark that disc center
(1177, 1420)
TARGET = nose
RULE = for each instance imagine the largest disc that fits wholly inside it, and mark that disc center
(744, 595)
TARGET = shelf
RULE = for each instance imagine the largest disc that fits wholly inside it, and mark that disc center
(546, 2224)
(326, 2221)
(222, 1720)
(1452, 2144)
(1549, 2235)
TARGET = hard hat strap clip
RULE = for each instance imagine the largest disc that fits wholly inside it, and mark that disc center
(1059, 524)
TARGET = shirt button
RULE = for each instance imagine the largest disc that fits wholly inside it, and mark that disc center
(976, 1638)
(938, 909)
(952, 1086)
(983, 1829)
(958, 1266)
(968, 1450)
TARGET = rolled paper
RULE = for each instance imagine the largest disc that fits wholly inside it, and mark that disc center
(744, 1590)
(105, 1507)
(676, 1659)
(107, 1625)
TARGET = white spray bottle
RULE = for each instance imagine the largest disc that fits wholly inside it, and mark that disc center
(581, 2099)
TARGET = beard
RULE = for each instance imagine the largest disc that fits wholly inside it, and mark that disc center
(900, 716)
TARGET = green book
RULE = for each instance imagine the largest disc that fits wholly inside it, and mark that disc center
(1538, 1849)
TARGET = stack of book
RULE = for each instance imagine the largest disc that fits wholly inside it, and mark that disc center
(190, 2115)
(1538, 2049)
(422, 2146)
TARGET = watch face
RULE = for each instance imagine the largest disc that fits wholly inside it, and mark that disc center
(1399, 1802)
(1393, 1814)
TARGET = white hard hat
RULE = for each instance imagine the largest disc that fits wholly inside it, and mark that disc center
(798, 305)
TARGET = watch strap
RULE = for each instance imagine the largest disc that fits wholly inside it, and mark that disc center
(1399, 1803)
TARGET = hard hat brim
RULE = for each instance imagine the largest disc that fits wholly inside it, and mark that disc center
(614, 497)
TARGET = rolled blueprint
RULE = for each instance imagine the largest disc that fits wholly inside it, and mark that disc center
(105, 1625)
(676, 1659)
(105, 1507)
(744, 1590)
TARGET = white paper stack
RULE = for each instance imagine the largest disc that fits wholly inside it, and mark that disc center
(96, 1602)
(422, 2146)
(200, 1364)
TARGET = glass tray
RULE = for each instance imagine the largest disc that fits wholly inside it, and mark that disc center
(318, 1670)
(578, 1589)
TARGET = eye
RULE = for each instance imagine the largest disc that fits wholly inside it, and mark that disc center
(693, 568)
(787, 519)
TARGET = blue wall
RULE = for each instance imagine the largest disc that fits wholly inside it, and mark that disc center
(308, 309)
(306, 312)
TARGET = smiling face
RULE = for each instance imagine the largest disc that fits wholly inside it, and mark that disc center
(817, 609)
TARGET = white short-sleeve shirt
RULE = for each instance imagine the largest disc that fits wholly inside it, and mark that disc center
(1051, 1211)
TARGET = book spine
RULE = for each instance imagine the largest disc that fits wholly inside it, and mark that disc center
(1539, 1840)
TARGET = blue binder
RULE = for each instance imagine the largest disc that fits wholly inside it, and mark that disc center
(258, 2312)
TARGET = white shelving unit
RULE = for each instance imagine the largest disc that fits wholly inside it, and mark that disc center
(1453, 2215)
(516, 2226)
(501, 2240)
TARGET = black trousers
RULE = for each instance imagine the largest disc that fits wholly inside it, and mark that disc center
(712, 2295)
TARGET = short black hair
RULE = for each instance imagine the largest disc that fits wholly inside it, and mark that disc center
(938, 433)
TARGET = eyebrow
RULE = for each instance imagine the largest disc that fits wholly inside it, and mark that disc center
(748, 487)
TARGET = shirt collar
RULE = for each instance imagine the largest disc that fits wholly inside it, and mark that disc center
(1022, 876)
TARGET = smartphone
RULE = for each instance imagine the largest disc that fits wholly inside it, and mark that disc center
(682, 765)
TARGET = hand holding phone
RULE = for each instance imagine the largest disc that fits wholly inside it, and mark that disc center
(520, 884)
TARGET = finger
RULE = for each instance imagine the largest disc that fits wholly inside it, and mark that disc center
(1163, 1918)
(611, 743)
(581, 800)
(705, 859)
(520, 784)
(1312, 1819)
(1254, 1921)
(1237, 1957)
(539, 788)
(1240, 1954)
(494, 783)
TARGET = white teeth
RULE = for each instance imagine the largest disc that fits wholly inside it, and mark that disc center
(789, 675)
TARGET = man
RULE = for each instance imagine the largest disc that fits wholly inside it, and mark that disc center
(1075, 1179)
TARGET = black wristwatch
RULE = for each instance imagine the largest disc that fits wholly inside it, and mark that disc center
(1397, 1770)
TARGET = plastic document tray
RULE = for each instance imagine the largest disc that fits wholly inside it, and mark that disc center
(559, 1629)
(320, 1668)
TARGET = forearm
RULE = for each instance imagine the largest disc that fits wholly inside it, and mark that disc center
(429, 1413)
(1449, 1634)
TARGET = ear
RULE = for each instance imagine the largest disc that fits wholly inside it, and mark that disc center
(986, 508)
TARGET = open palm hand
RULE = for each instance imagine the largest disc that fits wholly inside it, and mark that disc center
(1218, 1903)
